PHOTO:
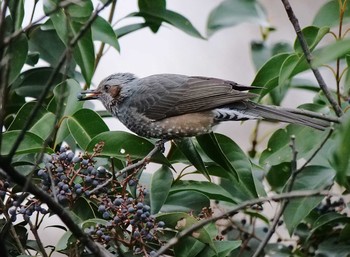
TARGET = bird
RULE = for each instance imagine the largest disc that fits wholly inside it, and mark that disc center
(172, 106)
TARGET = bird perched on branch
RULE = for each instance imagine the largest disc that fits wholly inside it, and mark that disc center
(170, 106)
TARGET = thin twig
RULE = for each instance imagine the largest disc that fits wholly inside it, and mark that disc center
(283, 204)
(144, 161)
(37, 238)
(291, 195)
(309, 58)
(12, 229)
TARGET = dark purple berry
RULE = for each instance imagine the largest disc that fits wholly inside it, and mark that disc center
(118, 201)
(79, 191)
(60, 184)
(88, 179)
(116, 219)
(152, 253)
(146, 208)
(59, 169)
(139, 205)
(136, 234)
(62, 156)
(87, 193)
(95, 182)
(12, 210)
(131, 210)
(149, 237)
(149, 224)
(41, 172)
(161, 224)
(101, 208)
(70, 156)
(106, 238)
(76, 159)
(101, 170)
(132, 182)
(105, 215)
(65, 187)
(84, 162)
(76, 186)
(99, 232)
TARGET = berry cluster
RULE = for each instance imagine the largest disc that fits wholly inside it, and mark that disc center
(71, 175)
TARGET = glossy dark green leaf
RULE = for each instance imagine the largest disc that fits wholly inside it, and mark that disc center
(189, 150)
(17, 55)
(328, 219)
(152, 7)
(17, 12)
(84, 53)
(260, 53)
(22, 116)
(182, 201)
(188, 247)
(223, 248)
(278, 175)
(46, 42)
(64, 241)
(212, 148)
(211, 190)
(44, 126)
(267, 76)
(328, 15)
(240, 162)
(122, 31)
(331, 52)
(120, 144)
(312, 177)
(31, 83)
(340, 159)
(83, 209)
(30, 144)
(180, 22)
(233, 12)
(279, 150)
(65, 101)
(84, 125)
(331, 247)
(313, 35)
(181, 221)
(347, 75)
(102, 31)
(80, 9)
(160, 186)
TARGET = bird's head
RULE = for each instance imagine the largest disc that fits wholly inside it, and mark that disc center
(110, 91)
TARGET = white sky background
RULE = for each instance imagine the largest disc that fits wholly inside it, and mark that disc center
(225, 55)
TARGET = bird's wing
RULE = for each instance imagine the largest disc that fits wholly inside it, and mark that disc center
(167, 95)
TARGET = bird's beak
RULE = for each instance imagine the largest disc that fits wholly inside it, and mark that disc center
(88, 95)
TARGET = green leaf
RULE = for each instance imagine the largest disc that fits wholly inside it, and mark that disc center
(233, 12)
(188, 148)
(46, 42)
(185, 202)
(212, 148)
(328, 15)
(278, 149)
(180, 22)
(83, 209)
(84, 53)
(312, 177)
(340, 159)
(327, 220)
(152, 7)
(80, 9)
(122, 31)
(331, 52)
(160, 186)
(32, 82)
(17, 55)
(44, 126)
(84, 125)
(64, 241)
(260, 53)
(102, 31)
(30, 144)
(223, 248)
(181, 221)
(313, 35)
(188, 247)
(65, 94)
(240, 162)
(267, 76)
(211, 190)
(17, 12)
(121, 145)
(278, 175)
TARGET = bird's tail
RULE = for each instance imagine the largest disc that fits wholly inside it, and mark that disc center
(250, 110)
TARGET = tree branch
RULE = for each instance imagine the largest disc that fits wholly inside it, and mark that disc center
(241, 206)
(144, 161)
(309, 57)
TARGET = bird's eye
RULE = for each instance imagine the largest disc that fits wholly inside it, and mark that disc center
(106, 87)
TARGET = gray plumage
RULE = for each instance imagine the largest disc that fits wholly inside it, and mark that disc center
(171, 105)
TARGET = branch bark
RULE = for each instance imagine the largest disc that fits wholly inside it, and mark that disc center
(309, 57)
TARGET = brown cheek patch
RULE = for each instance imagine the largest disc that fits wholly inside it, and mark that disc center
(114, 91)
